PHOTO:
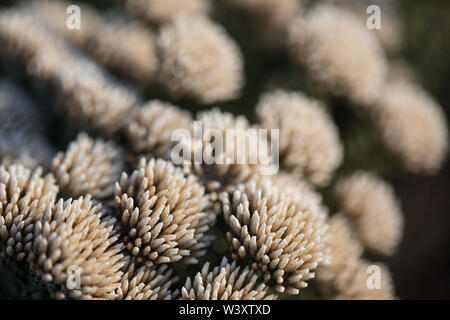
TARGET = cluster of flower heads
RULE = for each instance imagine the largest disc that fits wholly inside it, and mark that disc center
(199, 60)
(160, 216)
(280, 237)
(225, 282)
(342, 56)
(121, 212)
(89, 167)
(77, 234)
(389, 35)
(84, 91)
(164, 213)
(339, 52)
(412, 126)
(191, 57)
(346, 276)
(134, 59)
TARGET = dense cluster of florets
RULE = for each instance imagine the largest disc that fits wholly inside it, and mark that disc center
(113, 203)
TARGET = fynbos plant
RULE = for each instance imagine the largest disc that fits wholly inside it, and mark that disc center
(113, 185)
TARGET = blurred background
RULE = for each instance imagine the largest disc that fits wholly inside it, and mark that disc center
(422, 262)
(421, 267)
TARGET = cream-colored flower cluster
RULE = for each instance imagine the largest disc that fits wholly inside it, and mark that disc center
(412, 126)
(85, 91)
(372, 205)
(25, 195)
(89, 167)
(309, 140)
(199, 60)
(347, 276)
(196, 58)
(192, 57)
(150, 127)
(117, 209)
(163, 213)
(134, 59)
(142, 283)
(240, 145)
(160, 216)
(282, 238)
(76, 234)
(225, 282)
(390, 33)
(339, 53)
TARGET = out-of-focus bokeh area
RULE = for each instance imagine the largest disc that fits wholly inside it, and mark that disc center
(421, 267)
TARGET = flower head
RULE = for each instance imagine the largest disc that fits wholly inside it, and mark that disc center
(77, 237)
(25, 194)
(344, 247)
(348, 275)
(225, 282)
(135, 58)
(353, 283)
(142, 283)
(150, 127)
(374, 209)
(163, 213)
(199, 60)
(89, 167)
(282, 239)
(309, 140)
(412, 126)
(237, 152)
(339, 53)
